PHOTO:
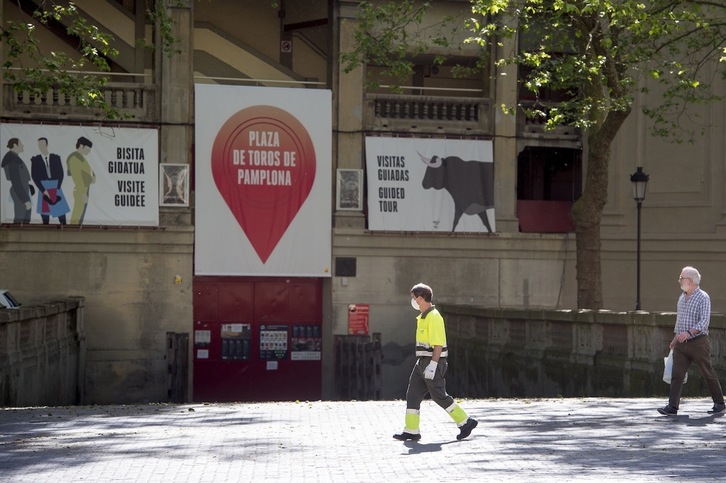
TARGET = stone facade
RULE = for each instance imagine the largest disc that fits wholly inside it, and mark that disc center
(137, 282)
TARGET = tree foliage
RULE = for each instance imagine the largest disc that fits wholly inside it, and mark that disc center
(81, 76)
(391, 34)
(31, 69)
(599, 55)
(160, 16)
(602, 51)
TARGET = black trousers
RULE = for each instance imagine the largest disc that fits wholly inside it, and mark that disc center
(419, 386)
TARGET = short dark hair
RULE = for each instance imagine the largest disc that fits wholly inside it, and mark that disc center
(422, 290)
(82, 141)
(43, 139)
(12, 142)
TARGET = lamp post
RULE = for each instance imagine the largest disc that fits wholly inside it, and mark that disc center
(640, 184)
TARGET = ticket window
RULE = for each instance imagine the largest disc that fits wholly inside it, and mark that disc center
(278, 342)
(236, 341)
(306, 342)
(228, 341)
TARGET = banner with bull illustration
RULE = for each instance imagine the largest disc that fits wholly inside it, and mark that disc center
(263, 177)
(437, 185)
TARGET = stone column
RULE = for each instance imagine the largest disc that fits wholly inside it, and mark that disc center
(139, 33)
(348, 102)
(505, 142)
(2, 61)
(175, 77)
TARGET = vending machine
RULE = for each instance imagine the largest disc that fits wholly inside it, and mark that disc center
(257, 339)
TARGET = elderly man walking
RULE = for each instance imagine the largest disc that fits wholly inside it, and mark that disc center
(691, 343)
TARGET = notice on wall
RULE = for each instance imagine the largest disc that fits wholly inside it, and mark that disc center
(306, 343)
(273, 342)
(358, 319)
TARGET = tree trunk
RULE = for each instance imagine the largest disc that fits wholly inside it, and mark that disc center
(587, 212)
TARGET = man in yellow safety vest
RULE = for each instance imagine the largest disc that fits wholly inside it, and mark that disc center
(430, 368)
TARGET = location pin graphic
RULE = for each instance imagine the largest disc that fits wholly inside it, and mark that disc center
(263, 163)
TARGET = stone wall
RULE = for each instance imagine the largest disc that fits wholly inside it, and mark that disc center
(546, 353)
(136, 285)
(42, 354)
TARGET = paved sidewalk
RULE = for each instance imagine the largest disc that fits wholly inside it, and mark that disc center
(525, 440)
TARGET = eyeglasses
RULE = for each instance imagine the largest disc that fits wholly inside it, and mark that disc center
(684, 278)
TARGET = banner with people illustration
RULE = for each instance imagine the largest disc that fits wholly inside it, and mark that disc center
(79, 175)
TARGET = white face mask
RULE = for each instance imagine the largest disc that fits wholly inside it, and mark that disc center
(414, 304)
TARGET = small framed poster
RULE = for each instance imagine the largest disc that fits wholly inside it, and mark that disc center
(350, 189)
(173, 184)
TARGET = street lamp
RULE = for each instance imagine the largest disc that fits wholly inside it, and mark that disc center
(640, 185)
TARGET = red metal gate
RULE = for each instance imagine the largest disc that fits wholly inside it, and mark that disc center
(257, 339)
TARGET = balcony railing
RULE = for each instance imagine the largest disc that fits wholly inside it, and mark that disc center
(391, 112)
(135, 100)
(535, 127)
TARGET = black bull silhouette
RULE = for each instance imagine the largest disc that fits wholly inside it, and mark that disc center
(470, 184)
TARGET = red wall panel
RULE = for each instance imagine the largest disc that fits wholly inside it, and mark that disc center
(277, 359)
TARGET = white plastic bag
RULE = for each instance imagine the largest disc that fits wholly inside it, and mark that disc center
(668, 370)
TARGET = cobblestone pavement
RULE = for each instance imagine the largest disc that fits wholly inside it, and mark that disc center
(577, 439)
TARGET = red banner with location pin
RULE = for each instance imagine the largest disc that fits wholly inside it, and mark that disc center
(263, 163)
(263, 171)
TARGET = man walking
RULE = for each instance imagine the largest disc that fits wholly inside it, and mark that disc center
(691, 342)
(428, 373)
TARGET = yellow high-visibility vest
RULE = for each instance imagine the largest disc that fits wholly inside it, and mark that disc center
(430, 332)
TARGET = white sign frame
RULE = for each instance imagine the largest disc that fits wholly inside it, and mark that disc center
(174, 184)
(349, 190)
